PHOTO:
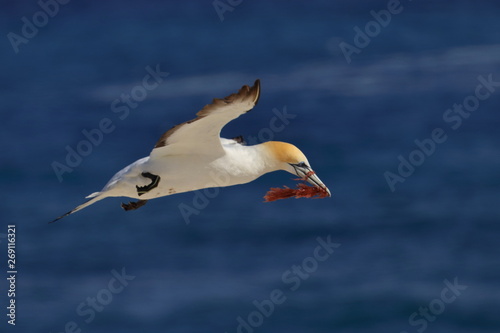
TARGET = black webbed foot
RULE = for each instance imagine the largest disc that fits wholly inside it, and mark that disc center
(155, 180)
(133, 205)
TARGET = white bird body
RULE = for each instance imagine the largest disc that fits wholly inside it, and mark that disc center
(192, 156)
(185, 173)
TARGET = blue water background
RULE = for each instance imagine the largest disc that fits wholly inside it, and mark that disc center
(352, 120)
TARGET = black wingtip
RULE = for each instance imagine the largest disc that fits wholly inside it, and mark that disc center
(256, 86)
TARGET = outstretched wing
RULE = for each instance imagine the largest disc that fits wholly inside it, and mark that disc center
(201, 135)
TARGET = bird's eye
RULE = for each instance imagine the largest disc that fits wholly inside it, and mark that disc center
(302, 165)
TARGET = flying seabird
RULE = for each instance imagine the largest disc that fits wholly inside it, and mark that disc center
(192, 156)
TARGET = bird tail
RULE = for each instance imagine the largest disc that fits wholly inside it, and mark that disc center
(93, 198)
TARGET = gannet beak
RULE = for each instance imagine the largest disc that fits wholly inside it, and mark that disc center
(305, 172)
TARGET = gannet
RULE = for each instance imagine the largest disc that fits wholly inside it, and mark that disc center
(192, 156)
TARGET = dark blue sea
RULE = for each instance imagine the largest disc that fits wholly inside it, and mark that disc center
(395, 103)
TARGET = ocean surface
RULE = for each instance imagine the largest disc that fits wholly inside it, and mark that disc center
(395, 104)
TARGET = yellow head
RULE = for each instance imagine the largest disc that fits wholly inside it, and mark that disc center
(285, 152)
(290, 158)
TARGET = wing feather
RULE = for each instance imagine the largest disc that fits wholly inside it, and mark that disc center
(201, 135)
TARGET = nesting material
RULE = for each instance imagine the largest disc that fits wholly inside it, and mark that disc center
(302, 191)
